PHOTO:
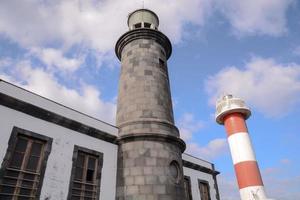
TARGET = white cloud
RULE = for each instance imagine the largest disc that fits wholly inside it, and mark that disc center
(55, 27)
(48, 30)
(212, 150)
(270, 87)
(85, 98)
(256, 16)
(54, 58)
(175, 14)
(94, 24)
(188, 125)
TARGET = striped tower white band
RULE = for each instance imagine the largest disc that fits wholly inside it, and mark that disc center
(252, 192)
(240, 147)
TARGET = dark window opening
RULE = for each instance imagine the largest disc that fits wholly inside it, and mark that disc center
(204, 190)
(187, 188)
(138, 25)
(86, 174)
(161, 63)
(147, 25)
(90, 175)
(24, 165)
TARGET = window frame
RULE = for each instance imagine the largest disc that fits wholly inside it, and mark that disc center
(138, 25)
(190, 195)
(208, 188)
(12, 142)
(161, 63)
(94, 153)
(147, 25)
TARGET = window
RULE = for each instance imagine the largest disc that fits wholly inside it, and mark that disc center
(147, 25)
(204, 190)
(86, 174)
(175, 171)
(187, 188)
(161, 63)
(138, 25)
(24, 165)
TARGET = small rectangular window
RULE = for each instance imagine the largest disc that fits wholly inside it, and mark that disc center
(204, 190)
(147, 25)
(138, 25)
(86, 174)
(161, 63)
(187, 188)
(24, 166)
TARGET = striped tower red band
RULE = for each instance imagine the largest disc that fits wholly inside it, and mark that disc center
(248, 174)
(235, 123)
(245, 164)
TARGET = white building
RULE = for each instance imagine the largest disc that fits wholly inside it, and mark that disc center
(43, 141)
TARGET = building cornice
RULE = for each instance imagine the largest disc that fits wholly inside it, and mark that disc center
(150, 121)
(200, 168)
(153, 137)
(43, 114)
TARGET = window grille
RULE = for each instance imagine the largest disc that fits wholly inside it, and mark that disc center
(187, 188)
(86, 175)
(204, 190)
(23, 167)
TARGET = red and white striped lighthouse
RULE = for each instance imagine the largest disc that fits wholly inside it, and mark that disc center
(232, 113)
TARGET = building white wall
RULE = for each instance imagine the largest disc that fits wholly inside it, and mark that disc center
(59, 165)
(197, 161)
(196, 175)
(58, 170)
(29, 97)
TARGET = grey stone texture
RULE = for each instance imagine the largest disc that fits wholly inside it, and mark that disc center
(145, 107)
(144, 90)
(144, 172)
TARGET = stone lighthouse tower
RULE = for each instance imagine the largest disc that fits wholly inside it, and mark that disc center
(149, 162)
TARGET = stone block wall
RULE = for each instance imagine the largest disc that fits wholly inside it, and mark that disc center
(144, 90)
(144, 171)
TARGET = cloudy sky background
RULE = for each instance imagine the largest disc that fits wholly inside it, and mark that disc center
(64, 50)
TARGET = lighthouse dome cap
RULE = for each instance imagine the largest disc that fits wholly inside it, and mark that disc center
(228, 104)
(143, 18)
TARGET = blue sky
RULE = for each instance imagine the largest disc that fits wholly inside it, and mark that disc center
(64, 50)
